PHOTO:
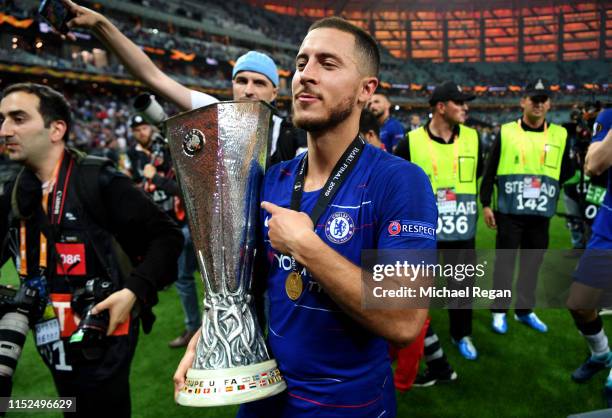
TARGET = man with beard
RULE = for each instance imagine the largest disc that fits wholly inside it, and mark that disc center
(331, 351)
(254, 77)
(391, 130)
(528, 163)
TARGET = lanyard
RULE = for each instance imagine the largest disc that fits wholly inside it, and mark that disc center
(61, 175)
(434, 157)
(525, 138)
(340, 173)
(342, 169)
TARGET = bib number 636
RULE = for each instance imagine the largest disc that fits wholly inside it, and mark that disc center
(449, 224)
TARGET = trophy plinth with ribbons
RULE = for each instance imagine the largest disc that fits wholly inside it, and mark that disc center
(219, 153)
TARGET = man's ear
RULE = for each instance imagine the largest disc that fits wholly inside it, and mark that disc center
(57, 130)
(368, 87)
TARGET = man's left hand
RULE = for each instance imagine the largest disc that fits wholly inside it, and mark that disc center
(287, 228)
(119, 306)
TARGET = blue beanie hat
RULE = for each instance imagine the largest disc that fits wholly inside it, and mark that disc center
(258, 63)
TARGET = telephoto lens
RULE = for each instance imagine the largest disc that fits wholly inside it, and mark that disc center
(13, 330)
(18, 308)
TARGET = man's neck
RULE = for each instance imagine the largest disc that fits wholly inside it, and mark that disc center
(383, 118)
(45, 169)
(324, 151)
(441, 128)
(534, 123)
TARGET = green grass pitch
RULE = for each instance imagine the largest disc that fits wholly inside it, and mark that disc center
(521, 374)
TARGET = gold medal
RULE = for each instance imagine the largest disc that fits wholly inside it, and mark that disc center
(293, 285)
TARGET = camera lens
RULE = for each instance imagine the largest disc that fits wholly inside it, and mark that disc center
(13, 329)
(89, 340)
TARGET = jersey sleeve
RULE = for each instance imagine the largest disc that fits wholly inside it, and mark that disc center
(397, 134)
(602, 125)
(199, 99)
(406, 212)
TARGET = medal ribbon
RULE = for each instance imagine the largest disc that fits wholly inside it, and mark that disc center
(340, 173)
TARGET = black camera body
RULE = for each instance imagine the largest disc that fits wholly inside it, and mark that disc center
(24, 300)
(89, 339)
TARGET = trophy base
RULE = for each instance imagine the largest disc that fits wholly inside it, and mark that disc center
(231, 386)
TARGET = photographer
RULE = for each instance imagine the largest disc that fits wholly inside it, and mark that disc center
(75, 228)
(152, 169)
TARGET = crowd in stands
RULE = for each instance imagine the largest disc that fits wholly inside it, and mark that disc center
(101, 119)
(407, 80)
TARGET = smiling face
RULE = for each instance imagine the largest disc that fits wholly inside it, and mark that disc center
(23, 128)
(379, 105)
(328, 86)
(249, 85)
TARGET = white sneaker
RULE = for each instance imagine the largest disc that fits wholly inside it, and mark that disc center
(500, 323)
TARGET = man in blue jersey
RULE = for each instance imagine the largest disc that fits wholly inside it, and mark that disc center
(593, 280)
(391, 129)
(331, 351)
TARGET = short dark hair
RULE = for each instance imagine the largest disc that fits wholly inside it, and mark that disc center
(368, 122)
(53, 105)
(364, 42)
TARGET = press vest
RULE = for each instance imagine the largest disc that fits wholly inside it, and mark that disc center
(529, 170)
(451, 168)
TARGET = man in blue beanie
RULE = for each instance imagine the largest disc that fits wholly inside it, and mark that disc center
(254, 77)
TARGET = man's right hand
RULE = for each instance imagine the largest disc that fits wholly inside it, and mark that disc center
(84, 17)
(186, 363)
(131, 55)
(489, 217)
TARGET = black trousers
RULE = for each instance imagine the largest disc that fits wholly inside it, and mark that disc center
(460, 317)
(530, 234)
(109, 399)
(101, 387)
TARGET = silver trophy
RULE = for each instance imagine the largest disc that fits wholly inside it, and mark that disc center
(219, 153)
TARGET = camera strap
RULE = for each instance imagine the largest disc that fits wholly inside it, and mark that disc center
(61, 177)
